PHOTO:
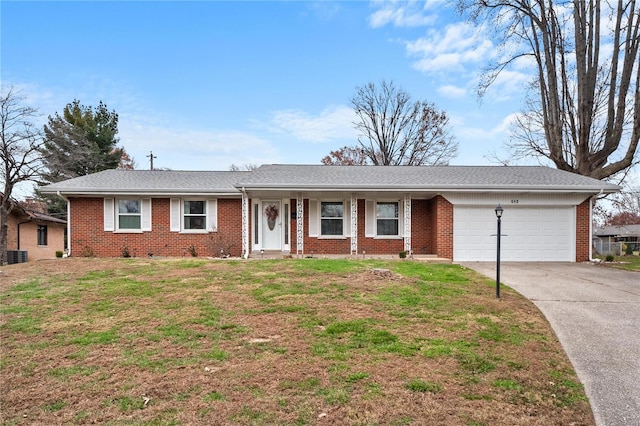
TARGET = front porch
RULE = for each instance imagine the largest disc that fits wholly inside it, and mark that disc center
(345, 225)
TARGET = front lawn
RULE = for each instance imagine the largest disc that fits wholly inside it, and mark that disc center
(275, 342)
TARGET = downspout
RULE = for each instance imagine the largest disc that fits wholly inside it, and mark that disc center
(68, 222)
(591, 201)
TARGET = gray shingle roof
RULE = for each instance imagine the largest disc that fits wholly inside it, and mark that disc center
(420, 177)
(619, 230)
(321, 177)
(150, 181)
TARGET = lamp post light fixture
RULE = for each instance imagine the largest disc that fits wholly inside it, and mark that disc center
(499, 211)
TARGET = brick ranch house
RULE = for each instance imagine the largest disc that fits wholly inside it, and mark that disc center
(447, 211)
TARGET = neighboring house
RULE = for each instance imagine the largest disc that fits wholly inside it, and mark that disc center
(32, 230)
(610, 239)
(447, 211)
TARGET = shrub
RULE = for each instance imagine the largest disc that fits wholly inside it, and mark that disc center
(628, 250)
(192, 251)
(403, 254)
(609, 258)
(59, 254)
(125, 252)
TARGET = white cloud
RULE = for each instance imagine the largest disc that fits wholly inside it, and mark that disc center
(509, 85)
(401, 14)
(452, 50)
(453, 92)
(497, 133)
(187, 149)
(333, 123)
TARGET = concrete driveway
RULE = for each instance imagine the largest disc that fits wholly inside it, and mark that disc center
(595, 312)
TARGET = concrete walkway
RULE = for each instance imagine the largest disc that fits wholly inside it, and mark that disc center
(595, 312)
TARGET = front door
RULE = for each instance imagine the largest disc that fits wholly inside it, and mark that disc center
(271, 225)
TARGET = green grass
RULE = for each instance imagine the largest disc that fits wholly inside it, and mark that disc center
(214, 396)
(276, 342)
(418, 385)
(629, 263)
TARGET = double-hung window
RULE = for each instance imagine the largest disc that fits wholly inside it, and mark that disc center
(195, 214)
(42, 235)
(331, 218)
(387, 218)
(129, 214)
(383, 219)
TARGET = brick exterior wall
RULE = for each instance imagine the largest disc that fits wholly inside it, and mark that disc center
(374, 246)
(12, 231)
(29, 237)
(583, 236)
(89, 238)
(442, 224)
(421, 227)
(431, 224)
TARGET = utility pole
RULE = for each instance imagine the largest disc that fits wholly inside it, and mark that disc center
(151, 157)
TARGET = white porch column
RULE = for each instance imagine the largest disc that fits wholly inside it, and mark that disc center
(407, 223)
(354, 224)
(245, 225)
(299, 224)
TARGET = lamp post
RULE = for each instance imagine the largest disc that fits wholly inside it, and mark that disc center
(499, 211)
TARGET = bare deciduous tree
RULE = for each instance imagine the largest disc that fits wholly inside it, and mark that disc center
(585, 116)
(346, 156)
(395, 130)
(245, 167)
(19, 152)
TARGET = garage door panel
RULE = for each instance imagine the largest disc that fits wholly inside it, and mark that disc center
(528, 234)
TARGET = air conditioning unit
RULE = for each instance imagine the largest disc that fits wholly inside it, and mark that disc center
(17, 256)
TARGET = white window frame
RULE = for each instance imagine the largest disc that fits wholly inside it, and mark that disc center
(185, 215)
(177, 215)
(120, 214)
(396, 218)
(331, 218)
(315, 218)
(371, 219)
(112, 215)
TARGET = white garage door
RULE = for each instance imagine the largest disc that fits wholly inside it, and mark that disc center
(528, 234)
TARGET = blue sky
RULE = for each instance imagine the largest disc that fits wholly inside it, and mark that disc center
(208, 84)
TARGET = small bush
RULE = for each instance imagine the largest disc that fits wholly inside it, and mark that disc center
(403, 254)
(59, 254)
(192, 251)
(609, 258)
(125, 252)
(628, 250)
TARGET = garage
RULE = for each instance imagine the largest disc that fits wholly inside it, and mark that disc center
(529, 233)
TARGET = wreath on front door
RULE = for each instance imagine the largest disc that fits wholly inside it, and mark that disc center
(271, 212)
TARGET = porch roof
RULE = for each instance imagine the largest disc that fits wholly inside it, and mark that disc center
(420, 178)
